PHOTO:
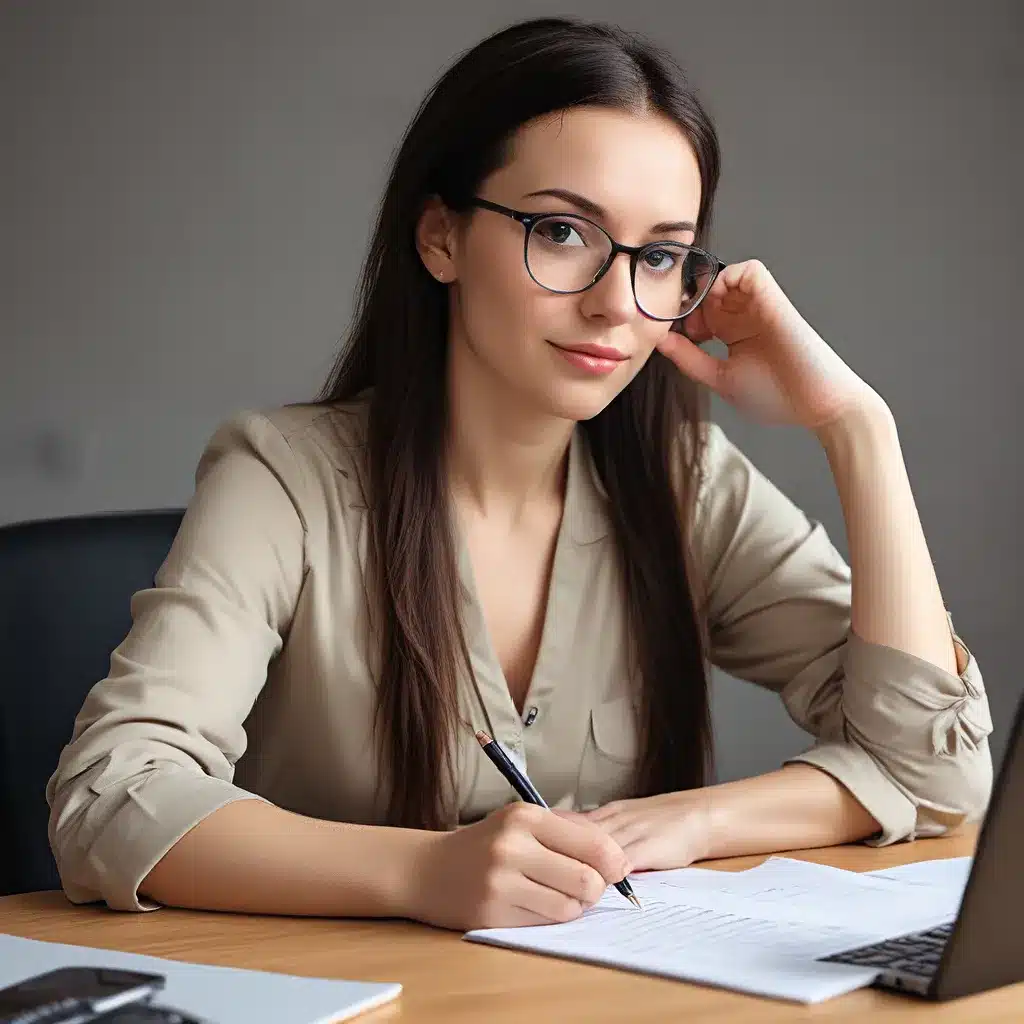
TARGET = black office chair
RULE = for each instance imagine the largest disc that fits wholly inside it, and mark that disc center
(65, 593)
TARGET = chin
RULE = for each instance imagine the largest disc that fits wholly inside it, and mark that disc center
(583, 401)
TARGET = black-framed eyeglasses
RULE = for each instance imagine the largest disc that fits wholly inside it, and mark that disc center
(568, 254)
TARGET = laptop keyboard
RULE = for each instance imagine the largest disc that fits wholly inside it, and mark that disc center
(917, 953)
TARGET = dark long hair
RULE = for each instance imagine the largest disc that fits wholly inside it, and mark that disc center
(646, 444)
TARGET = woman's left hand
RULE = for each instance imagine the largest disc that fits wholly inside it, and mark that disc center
(778, 368)
(656, 833)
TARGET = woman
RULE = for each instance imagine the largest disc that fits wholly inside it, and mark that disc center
(506, 511)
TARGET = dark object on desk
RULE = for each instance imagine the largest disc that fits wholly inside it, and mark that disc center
(143, 1013)
(521, 783)
(75, 995)
(65, 592)
(984, 947)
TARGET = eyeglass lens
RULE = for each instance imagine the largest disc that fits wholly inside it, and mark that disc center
(565, 253)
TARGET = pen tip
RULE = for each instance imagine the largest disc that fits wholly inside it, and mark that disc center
(636, 903)
(482, 738)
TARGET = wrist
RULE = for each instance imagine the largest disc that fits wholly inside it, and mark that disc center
(869, 422)
(407, 889)
(695, 809)
(717, 822)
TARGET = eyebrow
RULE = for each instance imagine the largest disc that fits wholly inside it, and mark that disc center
(598, 212)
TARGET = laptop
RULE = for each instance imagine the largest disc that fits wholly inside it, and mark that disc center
(983, 947)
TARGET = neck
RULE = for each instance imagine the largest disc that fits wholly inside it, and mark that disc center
(503, 456)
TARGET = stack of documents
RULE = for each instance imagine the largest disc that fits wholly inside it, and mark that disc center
(759, 931)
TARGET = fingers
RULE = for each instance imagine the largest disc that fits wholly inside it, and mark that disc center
(535, 903)
(696, 364)
(680, 346)
(577, 816)
(642, 852)
(515, 901)
(626, 833)
(623, 828)
(695, 327)
(582, 841)
(616, 822)
(543, 867)
(572, 878)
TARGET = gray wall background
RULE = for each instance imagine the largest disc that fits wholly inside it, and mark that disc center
(186, 190)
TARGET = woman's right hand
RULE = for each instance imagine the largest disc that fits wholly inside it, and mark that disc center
(520, 865)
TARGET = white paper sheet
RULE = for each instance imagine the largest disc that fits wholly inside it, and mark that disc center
(758, 931)
(950, 873)
(221, 995)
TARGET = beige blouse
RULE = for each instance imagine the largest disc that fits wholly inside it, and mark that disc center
(247, 670)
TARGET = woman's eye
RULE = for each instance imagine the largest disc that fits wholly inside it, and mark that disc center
(559, 232)
(660, 259)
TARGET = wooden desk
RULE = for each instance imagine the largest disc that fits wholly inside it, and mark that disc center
(448, 980)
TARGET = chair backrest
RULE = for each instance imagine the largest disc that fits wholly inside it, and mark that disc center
(65, 592)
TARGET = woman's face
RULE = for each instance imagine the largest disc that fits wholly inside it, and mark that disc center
(630, 174)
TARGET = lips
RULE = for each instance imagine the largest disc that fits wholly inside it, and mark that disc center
(597, 351)
(593, 360)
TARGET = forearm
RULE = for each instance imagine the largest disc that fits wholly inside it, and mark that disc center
(796, 807)
(252, 857)
(896, 596)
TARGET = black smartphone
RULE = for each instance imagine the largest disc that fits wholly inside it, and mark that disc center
(71, 995)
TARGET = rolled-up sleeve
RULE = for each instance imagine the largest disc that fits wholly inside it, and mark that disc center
(154, 746)
(907, 738)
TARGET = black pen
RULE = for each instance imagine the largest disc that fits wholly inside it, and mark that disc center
(528, 791)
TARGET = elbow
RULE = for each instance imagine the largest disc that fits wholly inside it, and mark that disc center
(973, 789)
(927, 728)
(957, 780)
(109, 826)
(71, 833)
(953, 793)
(945, 780)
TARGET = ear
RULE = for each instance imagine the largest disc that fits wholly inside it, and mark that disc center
(435, 239)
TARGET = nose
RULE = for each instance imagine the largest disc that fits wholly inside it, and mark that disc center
(612, 297)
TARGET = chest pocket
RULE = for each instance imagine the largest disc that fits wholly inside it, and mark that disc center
(610, 754)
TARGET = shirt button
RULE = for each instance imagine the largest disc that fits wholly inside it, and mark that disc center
(531, 716)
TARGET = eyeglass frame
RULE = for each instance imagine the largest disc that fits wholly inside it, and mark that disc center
(529, 221)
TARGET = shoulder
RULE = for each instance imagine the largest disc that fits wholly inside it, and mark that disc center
(302, 435)
(312, 451)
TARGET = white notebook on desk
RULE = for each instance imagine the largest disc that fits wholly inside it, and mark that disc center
(221, 995)
(758, 931)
